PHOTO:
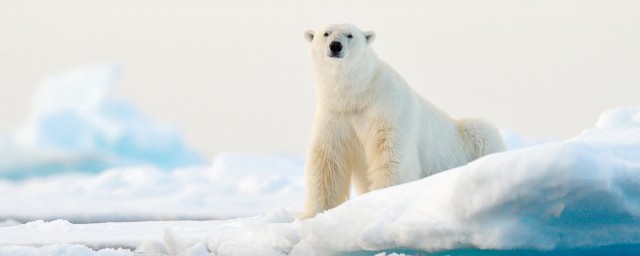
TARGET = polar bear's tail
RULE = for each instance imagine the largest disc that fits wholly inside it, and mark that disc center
(480, 137)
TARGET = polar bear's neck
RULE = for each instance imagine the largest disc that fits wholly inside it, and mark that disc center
(347, 86)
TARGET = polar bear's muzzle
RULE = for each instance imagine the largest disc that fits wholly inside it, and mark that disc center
(335, 48)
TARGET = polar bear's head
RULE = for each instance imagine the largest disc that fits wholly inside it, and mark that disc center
(338, 43)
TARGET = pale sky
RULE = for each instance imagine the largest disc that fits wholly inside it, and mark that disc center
(236, 76)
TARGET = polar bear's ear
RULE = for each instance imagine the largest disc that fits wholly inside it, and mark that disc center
(308, 35)
(370, 36)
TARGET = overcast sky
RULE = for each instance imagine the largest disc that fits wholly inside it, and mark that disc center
(236, 76)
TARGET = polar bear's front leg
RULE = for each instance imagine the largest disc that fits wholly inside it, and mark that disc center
(326, 173)
(384, 159)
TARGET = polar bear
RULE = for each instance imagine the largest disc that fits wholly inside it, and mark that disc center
(371, 128)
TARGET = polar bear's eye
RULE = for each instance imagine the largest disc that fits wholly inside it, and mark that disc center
(326, 34)
(350, 36)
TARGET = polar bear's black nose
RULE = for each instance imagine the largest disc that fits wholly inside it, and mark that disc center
(335, 46)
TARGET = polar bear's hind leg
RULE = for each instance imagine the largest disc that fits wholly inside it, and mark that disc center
(480, 137)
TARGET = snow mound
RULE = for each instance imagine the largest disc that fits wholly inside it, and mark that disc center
(619, 118)
(236, 185)
(78, 125)
(584, 192)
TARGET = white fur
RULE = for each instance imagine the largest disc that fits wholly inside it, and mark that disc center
(370, 126)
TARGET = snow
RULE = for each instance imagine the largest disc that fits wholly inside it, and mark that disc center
(235, 185)
(77, 124)
(9, 222)
(571, 194)
(62, 250)
(619, 118)
(576, 196)
(269, 234)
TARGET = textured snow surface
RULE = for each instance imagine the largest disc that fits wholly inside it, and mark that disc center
(569, 194)
(63, 250)
(580, 193)
(235, 185)
(77, 125)
(270, 234)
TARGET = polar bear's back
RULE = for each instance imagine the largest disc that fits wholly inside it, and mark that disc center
(441, 145)
(434, 141)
